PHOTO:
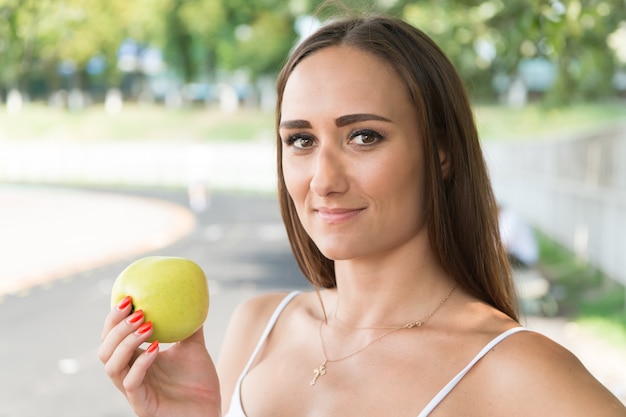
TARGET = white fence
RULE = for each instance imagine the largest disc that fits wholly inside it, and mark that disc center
(573, 190)
(239, 166)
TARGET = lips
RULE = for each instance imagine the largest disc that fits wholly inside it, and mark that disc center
(336, 215)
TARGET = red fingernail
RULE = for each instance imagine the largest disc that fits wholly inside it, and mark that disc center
(153, 346)
(143, 329)
(125, 302)
(135, 317)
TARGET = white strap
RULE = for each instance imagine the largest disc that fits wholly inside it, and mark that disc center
(270, 325)
(450, 386)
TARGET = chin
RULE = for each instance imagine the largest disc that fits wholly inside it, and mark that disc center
(334, 254)
(342, 253)
(343, 246)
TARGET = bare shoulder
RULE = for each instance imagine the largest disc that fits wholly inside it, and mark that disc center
(248, 322)
(251, 316)
(530, 374)
(244, 330)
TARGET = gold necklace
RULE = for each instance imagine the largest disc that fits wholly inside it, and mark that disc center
(321, 370)
(406, 326)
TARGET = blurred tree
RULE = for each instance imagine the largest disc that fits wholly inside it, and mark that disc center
(570, 34)
(491, 38)
(202, 37)
(51, 41)
(205, 23)
(261, 45)
(49, 44)
(86, 29)
(180, 40)
(232, 34)
(19, 21)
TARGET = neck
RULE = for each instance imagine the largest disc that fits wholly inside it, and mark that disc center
(373, 294)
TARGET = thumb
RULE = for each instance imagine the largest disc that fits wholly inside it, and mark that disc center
(197, 337)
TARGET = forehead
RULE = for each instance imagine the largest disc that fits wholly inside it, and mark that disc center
(342, 80)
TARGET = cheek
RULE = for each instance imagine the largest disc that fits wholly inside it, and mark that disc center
(295, 183)
(401, 169)
(404, 187)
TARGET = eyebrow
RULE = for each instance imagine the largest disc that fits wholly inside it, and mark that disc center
(339, 122)
(295, 124)
(360, 117)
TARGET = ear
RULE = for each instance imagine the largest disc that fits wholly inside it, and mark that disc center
(445, 162)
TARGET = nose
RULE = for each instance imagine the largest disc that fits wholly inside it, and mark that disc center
(330, 171)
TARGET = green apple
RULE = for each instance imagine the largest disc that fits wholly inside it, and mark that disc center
(172, 292)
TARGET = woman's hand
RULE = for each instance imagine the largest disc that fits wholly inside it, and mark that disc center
(180, 380)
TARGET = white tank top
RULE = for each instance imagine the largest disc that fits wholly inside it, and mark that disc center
(236, 409)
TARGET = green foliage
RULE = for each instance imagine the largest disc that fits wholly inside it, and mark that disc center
(263, 46)
(585, 293)
(200, 38)
(570, 34)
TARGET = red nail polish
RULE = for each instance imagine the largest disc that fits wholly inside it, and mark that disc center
(125, 302)
(143, 329)
(135, 317)
(153, 346)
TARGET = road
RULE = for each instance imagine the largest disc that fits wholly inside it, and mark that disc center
(50, 334)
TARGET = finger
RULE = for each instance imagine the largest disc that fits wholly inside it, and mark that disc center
(116, 315)
(119, 364)
(134, 378)
(127, 349)
(118, 333)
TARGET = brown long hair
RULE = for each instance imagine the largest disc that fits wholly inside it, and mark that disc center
(461, 210)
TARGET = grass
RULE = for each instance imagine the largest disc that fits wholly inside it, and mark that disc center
(135, 123)
(154, 123)
(584, 293)
(534, 122)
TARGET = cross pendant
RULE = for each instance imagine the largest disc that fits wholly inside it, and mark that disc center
(318, 372)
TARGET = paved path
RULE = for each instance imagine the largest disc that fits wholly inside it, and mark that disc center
(95, 229)
(48, 234)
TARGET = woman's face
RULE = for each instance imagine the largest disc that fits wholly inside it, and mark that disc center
(352, 159)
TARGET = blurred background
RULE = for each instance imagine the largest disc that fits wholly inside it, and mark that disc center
(130, 128)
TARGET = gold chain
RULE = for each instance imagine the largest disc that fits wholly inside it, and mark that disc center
(321, 370)
(406, 326)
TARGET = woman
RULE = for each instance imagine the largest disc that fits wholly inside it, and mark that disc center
(390, 214)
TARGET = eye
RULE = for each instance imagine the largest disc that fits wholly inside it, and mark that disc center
(365, 137)
(300, 141)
